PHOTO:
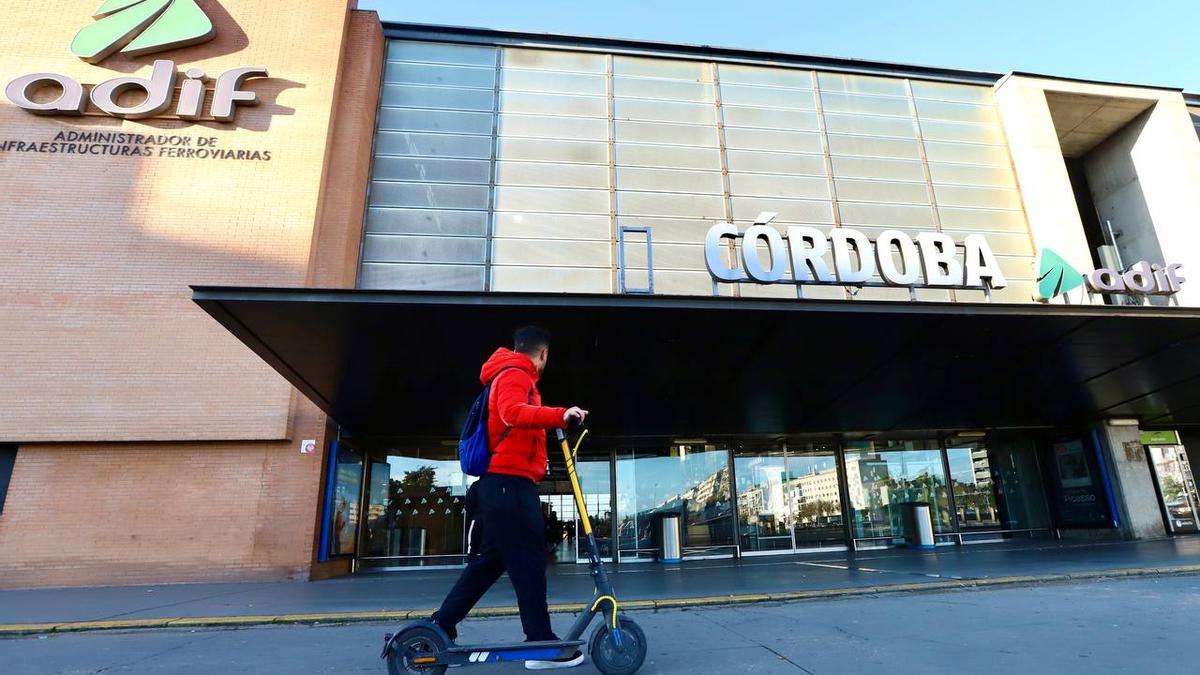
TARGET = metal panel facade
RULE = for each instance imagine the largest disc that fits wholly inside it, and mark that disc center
(515, 169)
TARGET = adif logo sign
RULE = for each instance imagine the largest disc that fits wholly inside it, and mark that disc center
(1058, 277)
(139, 27)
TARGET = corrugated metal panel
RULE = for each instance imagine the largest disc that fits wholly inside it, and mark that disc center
(549, 220)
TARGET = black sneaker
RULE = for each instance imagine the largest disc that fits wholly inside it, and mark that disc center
(554, 664)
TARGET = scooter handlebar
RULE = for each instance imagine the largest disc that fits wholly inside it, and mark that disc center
(572, 424)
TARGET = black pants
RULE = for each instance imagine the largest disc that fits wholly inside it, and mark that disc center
(513, 539)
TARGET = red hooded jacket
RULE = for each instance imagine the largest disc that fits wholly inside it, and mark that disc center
(515, 404)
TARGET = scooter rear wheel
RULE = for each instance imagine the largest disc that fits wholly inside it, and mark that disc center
(415, 641)
(610, 660)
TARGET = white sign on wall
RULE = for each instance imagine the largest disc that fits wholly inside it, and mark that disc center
(799, 254)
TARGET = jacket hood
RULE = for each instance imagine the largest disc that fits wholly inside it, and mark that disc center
(506, 358)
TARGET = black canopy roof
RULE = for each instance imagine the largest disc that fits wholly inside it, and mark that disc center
(399, 363)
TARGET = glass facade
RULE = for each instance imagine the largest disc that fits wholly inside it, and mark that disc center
(734, 497)
(997, 486)
(684, 478)
(416, 507)
(514, 169)
(789, 497)
(881, 477)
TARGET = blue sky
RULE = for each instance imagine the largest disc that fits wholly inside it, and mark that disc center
(1150, 42)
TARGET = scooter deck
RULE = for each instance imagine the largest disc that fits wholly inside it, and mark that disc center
(517, 651)
(510, 646)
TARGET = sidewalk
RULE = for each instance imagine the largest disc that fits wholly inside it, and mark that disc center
(396, 595)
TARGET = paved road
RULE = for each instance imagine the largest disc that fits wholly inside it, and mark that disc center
(570, 583)
(1129, 626)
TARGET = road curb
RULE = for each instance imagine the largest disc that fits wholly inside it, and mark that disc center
(18, 629)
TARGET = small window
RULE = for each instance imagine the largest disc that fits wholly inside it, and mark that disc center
(636, 260)
(8, 458)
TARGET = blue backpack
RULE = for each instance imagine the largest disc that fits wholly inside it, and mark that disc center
(474, 455)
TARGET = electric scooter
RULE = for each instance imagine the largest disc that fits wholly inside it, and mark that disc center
(617, 646)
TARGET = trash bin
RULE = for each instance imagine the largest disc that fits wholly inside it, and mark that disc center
(416, 541)
(918, 525)
(670, 541)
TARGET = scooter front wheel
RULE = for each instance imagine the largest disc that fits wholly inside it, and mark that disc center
(611, 659)
(414, 642)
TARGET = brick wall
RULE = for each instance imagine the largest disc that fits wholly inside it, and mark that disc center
(101, 341)
(155, 447)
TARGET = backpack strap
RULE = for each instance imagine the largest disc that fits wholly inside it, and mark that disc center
(507, 426)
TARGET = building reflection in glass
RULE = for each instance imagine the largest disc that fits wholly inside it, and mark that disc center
(788, 497)
(691, 479)
(882, 476)
(997, 484)
(416, 506)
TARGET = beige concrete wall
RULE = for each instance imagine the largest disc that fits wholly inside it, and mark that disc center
(1046, 192)
(101, 341)
(1118, 193)
(1146, 175)
(1167, 160)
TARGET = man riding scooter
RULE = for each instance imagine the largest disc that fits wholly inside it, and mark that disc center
(505, 502)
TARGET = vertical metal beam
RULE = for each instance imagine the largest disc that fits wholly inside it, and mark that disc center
(823, 136)
(916, 120)
(614, 250)
(733, 502)
(949, 488)
(613, 523)
(716, 83)
(787, 496)
(839, 454)
(489, 248)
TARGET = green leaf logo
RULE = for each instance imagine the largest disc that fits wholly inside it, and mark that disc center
(1055, 275)
(141, 27)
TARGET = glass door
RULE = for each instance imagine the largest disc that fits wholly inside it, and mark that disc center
(816, 495)
(1176, 487)
(688, 478)
(997, 486)
(562, 523)
(765, 510)
(595, 479)
(883, 476)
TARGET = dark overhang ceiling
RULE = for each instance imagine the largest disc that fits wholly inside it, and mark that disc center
(407, 363)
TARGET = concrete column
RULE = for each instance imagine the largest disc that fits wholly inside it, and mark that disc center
(1037, 157)
(1133, 484)
(1167, 159)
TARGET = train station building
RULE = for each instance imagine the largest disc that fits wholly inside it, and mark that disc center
(249, 280)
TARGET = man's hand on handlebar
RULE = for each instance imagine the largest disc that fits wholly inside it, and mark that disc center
(575, 415)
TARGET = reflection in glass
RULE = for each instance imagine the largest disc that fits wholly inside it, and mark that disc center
(596, 480)
(691, 479)
(882, 476)
(816, 495)
(561, 525)
(764, 509)
(343, 519)
(424, 510)
(974, 490)
(1176, 486)
(997, 484)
